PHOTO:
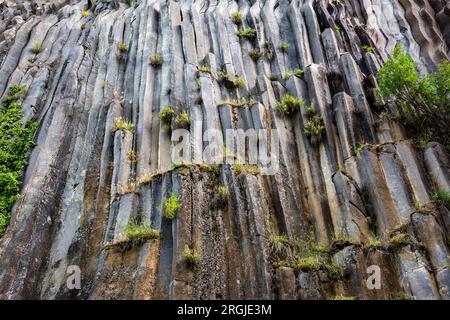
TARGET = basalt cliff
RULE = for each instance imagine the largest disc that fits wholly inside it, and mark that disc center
(349, 215)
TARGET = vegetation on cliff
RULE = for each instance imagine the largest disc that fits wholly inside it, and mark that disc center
(423, 101)
(15, 141)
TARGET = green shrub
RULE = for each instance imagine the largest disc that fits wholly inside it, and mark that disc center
(222, 75)
(267, 50)
(284, 46)
(295, 73)
(236, 17)
(134, 230)
(247, 33)
(246, 168)
(123, 47)
(223, 192)
(123, 124)
(192, 256)
(289, 104)
(171, 206)
(155, 60)
(182, 120)
(314, 127)
(239, 82)
(205, 69)
(443, 197)
(166, 114)
(400, 239)
(37, 48)
(423, 102)
(15, 141)
(368, 49)
(254, 54)
(85, 14)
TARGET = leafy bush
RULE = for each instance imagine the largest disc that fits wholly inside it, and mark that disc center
(37, 48)
(166, 114)
(183, 120)
(192, 256)
(247, 33)
(15, 141)
(155, 60)
(223, 192)
(246, 168)
(123, 124)
(423, 101)
(314, 127)
(134, 230)
(400, 239)
(171, 206)
(289, 104)
(267, 49)
(123, 47)
(284, 46)
(204, 68)
(239, 82)
(443, 197)
(236, 17)
(368, 49)
(254, 54)
(294, 73)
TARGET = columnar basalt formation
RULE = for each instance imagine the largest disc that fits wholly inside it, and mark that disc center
(86, 178)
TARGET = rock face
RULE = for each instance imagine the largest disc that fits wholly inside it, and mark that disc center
(82, 187)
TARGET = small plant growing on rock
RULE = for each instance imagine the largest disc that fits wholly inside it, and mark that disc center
(183, 120)
(155, 60)
(246, 168)
(373, 243)
(314, 127)
(37, 47)
(205, 69)
(289, 104)
(134, 234)
(294, 73)
(268, 51)
(171, 206)
(222, 75)
(236, 17)
(123, 124)
(367, 48)
(254, 54)
(401, 239)
(223, 193)
(85, 14)
(442, 197)
(284, 46)
(123, 47)
(134, 230)
(198, 83)
(239, 82)
(337, 29)
(247, 33)
(191, 256)
(166, 114)
(132, 157)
